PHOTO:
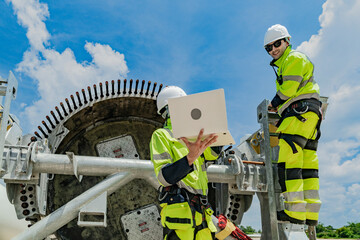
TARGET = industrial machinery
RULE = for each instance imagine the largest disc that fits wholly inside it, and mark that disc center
(86, 173)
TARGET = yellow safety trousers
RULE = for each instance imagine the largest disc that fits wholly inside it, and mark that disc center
(299, 179)
(184, 229)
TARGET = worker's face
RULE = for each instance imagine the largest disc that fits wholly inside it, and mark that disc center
(277, 51)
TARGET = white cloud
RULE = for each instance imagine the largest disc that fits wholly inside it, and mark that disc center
(340, 204)
(332, 50)
(58, 75)
(340, 161)
(106, 59)
(337, 65)
(354, 189)
(31, 15)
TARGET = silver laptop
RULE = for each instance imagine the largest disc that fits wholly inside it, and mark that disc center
(189, 114)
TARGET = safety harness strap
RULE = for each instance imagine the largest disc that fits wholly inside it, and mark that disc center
(178, 220)
(311, 105)
(291, 139)
(174, 194)
(200, 227)
(311, 145)
(308, 105)
(318, 133)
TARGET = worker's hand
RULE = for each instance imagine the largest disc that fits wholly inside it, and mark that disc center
(271, 108)
(198, 147)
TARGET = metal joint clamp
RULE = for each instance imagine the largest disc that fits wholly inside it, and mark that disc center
(73, 160)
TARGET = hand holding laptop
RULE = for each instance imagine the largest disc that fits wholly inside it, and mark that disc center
(198, 147)
(205, 110)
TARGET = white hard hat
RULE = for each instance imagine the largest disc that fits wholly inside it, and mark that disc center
(275, 32)
(165, 94)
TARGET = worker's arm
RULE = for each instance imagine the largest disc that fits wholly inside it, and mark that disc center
(293, 70)
(271, 108)
(168, 170)
(176, 171)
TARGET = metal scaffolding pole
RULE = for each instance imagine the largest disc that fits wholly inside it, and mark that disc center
(69, 211)
(267, 200)
(9, 91)
(123, 170)
(100, 166)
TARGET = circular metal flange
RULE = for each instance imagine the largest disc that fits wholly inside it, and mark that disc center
(106, 112)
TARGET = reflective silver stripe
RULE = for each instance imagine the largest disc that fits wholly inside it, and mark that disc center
(162, 179)
(311, 194)
(203, 167)
(162, 156)
(303, 84)
(294, 196)
(282, 96)
(170, 132)
(214, 153)
(313, 207)
(181, 184)
(295, 78)
(300, 97)
(296, 207)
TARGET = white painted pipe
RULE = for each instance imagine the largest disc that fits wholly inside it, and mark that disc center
(102, 166)
(69, 211)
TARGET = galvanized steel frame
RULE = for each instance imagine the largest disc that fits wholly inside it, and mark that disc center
(8, 88)
(268, 200)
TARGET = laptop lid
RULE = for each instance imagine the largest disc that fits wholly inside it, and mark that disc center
(191, 113)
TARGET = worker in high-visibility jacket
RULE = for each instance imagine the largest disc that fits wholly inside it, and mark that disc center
(297, 102)
(181, 172)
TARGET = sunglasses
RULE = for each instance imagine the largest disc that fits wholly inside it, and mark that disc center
(276, 44)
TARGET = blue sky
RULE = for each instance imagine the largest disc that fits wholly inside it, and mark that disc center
(55, 48)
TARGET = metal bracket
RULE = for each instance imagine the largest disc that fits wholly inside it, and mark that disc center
(16, 165)
(73, 160)
(236, 163)
(293, 231)
(9, 92)
(312, 232)
(240, 177)
(24, 199)
(96, 209)
(41, 193)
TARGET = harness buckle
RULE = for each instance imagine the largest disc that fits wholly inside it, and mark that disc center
(301, 112)
(204, 200)
(162, 194)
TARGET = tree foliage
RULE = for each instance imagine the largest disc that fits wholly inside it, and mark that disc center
(351, 230)
(247, 230)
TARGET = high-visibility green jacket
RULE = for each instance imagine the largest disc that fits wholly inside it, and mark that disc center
(295, 79)
(171, 165)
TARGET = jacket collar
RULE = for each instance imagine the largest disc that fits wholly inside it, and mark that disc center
(278, 62)
(167, 123)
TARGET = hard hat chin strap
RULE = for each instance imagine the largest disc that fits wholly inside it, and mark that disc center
(166, 116)
(164, 112)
